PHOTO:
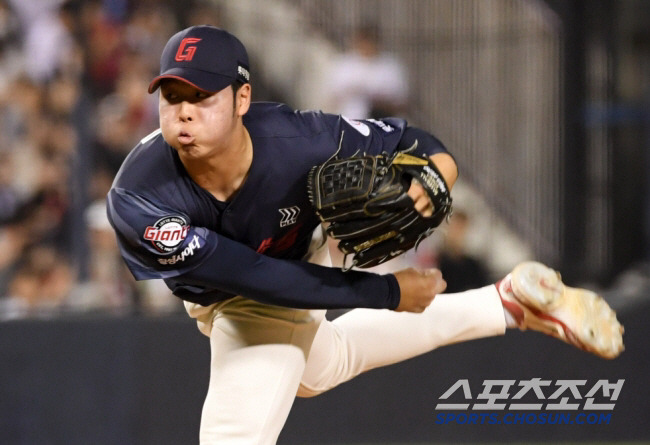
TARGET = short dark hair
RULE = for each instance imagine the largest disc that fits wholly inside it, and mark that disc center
(236, 85)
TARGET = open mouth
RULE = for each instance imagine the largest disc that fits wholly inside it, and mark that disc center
(185, 138)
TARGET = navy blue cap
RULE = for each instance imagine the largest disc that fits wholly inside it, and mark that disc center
(206, 57)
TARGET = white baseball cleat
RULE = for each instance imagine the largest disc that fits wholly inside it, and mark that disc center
(537, 299)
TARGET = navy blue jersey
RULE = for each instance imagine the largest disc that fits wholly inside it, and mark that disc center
(207, 250)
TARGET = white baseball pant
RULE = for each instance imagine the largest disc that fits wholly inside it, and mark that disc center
(263, 356)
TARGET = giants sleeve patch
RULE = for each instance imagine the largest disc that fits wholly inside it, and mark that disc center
(167, 234)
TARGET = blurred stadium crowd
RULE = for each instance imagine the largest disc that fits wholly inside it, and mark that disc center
(73, 100)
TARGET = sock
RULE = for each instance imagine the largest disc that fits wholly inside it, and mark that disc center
(509, 306)
(510, 320)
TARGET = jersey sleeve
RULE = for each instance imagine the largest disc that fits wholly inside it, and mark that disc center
(203, 266)
(156, 242)
(375, 136)
(238, 270)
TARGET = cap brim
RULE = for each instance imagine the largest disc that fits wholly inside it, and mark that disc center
(201, 80)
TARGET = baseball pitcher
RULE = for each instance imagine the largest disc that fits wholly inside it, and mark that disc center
(230, 203)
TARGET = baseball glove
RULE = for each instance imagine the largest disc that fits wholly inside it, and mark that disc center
(364, 199)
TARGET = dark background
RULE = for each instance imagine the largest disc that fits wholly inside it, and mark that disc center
(142, 381)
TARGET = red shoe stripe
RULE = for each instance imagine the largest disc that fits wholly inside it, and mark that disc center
(519, 315)
(515, 310)
(567, 331)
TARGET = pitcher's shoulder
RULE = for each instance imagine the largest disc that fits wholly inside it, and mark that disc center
(271, 119)
(151, 160)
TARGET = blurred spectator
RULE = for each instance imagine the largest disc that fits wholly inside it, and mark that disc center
(22, 105)
(14, 237)
(203, 13)
(461, 270)
(157, 299)
(366, 82)
(41, 284)
(73, 102)
(147, 32)
(47, 41)
(121, 122)
(109, 286)
(61, 97)
(9, 199)
(11, 60)
(105, 47)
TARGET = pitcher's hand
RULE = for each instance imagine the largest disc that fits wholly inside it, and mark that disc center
(418, 288)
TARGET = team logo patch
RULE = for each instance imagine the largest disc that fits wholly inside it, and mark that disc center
(167, 233)
(289, 215)
(186, 49)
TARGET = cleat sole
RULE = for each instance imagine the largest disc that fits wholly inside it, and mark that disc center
(577, 316)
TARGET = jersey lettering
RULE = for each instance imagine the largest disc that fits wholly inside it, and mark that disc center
(283, 243)
(187, 252)
(383, 125)
(167, 233)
